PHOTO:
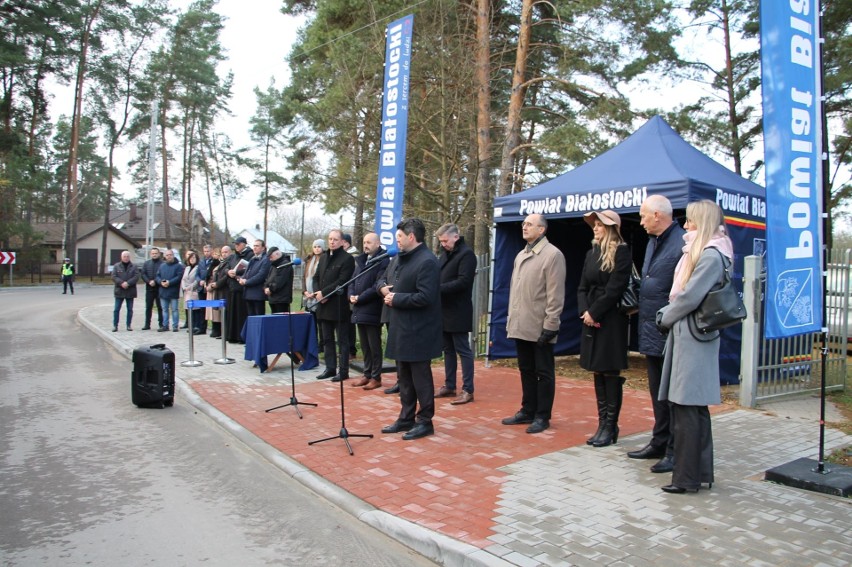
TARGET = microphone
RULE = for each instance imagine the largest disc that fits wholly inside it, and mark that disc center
(389, 253)
(293, 262)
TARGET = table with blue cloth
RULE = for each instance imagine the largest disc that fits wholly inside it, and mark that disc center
(270, 334)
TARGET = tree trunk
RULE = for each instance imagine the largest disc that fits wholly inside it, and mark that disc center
(508, 181)
(483, 126)
(733, 119)
(72, 199)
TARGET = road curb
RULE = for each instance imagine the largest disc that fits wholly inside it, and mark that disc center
(433, 545)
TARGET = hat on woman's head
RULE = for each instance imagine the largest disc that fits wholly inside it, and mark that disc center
(607, 218)
(319, 242)
(271, 251)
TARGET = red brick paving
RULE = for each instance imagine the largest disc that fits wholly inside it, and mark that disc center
(448, 482)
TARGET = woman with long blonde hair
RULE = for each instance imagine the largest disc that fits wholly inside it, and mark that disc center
(690, 377)
(603, 343)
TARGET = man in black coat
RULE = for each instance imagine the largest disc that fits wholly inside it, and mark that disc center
(235, 305)
(367, 311)
(661, 256)
(335, 268)
(458, 271)
(278, 286)
(152, 290)
(414, 332)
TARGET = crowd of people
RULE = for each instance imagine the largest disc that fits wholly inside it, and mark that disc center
(424, 302)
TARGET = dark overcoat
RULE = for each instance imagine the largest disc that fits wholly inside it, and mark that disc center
(414, 330)
(604, 348)
(129, 274)
(247, 254)
(661, 257)
(255, 277)
(335, 269)
(386, 277)
(279, 280)
(172, 273)
(458, 271)
(368, 309)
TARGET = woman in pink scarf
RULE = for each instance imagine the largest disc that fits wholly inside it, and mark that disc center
(690, 379)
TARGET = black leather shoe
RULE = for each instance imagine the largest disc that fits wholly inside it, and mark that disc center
(339, 378)
(398, 426)
(146, 328)
(198, 332)
(672, 489)
(666, 464)
(393, 389)
(328, 373)
(419, 430)
(538, 425)
(162, 329)
(517, 419)
(648, 452)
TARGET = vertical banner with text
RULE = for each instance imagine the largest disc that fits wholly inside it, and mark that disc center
(792, 131)
(391, 181)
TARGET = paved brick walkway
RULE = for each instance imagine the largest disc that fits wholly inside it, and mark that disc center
(516, 499)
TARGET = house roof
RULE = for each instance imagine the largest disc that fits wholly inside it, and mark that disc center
(54, 232)
(133, 221)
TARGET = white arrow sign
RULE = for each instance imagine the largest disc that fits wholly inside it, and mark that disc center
(7, 257)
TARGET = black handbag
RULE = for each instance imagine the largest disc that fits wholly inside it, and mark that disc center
(629, 302)
(722, 307)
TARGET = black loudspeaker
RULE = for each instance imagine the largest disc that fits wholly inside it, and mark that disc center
(152, 383)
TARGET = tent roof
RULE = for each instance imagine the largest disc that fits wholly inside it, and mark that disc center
(654, 158)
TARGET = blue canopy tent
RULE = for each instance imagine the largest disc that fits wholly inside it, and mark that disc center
(654, 160)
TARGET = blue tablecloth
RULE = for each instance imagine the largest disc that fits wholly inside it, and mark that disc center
(270, 334)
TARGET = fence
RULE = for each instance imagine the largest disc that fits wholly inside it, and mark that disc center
(775, 368)
(481, 289)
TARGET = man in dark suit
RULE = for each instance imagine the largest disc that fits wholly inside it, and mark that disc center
(414, 331)
(458, 271)
(335, 268)
(661, 256)
(367, 311)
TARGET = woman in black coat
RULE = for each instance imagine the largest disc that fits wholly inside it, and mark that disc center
(603, 344)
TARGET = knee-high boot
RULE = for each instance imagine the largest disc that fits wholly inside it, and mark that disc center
(600, 397)
(614, 394)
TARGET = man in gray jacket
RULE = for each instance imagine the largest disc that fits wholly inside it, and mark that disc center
(536, 298)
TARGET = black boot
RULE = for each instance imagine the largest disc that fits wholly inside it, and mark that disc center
(614, 391)
(600, 397)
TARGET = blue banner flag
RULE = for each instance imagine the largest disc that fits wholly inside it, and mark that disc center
(391, 181)
(792, 131)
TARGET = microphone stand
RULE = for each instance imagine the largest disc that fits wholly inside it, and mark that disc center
(344, 433)
(293, 401)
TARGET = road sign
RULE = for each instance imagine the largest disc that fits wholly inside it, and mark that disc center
(7, 257)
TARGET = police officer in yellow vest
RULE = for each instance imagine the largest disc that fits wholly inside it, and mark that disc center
(67, 276)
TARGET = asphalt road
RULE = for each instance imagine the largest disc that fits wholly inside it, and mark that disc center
(88, 478)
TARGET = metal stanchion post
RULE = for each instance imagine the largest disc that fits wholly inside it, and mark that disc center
(224, 359)
(189, 327)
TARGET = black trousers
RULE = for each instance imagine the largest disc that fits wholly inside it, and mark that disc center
(279, 307)
(538, 378)
(371, 348)
(255, 307)
(152, 298)
(416, 386)
(662, 433)
(693, 446)
(330, 350)
(201, 322)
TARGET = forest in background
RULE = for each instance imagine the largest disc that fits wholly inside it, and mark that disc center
(505, 94)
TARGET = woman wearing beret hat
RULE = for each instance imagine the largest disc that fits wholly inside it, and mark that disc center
(603, 343)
